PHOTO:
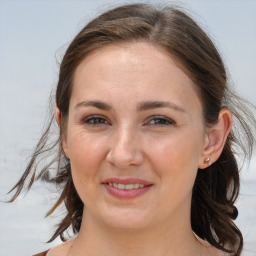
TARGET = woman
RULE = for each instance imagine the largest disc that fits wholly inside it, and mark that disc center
(145, 149)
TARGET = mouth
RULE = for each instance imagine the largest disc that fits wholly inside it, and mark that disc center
(128, 188)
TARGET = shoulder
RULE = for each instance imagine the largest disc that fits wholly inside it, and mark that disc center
(41, 253)
(59, 250)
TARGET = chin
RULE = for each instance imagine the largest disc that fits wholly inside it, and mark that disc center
(127, 219)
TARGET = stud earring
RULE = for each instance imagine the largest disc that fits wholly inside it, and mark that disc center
(207, 161)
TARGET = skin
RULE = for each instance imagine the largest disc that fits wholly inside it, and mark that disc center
(162, 145)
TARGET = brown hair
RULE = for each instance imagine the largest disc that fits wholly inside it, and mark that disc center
(216, 188)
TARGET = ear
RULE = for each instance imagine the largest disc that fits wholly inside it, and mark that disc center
(58, 116)
(215, 139)
(64, 143)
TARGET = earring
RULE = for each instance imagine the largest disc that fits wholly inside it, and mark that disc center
(207, 161)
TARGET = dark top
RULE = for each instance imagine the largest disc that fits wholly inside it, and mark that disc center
(41, 253)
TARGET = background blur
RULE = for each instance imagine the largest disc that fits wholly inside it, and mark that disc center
(33, 38)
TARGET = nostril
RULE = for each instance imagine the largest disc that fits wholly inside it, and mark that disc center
(123, 157)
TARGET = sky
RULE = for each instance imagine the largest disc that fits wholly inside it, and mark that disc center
(35, 34)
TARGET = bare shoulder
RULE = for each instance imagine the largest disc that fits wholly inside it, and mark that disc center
(60, 250)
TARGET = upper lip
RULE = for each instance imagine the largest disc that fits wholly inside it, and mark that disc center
(127, 181)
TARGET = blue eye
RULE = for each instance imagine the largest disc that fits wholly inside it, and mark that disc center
(95, 121)
(160, 121)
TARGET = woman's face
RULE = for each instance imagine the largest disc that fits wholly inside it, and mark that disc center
(135, 136)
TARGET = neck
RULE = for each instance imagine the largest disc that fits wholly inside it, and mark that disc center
(168, 238)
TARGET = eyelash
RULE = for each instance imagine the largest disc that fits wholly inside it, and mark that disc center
(98, 121)
(91, 120)
(164, 121)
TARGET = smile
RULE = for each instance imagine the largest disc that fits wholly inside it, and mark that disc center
(126, 186)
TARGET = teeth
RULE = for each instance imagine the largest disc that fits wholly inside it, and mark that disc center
(136, 185)
(126, 186)
(120, 186)
(129, 186)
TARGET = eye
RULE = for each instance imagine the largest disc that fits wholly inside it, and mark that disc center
(160, 121)
(95, 121)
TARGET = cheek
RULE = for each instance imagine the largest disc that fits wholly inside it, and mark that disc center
(86, 156)
(85, 149)
(176, 160)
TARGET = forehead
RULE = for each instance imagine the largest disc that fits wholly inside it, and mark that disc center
(134, 70)
(128, 56)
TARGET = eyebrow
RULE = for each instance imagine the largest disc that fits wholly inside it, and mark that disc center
(147, 105)
(95, 104)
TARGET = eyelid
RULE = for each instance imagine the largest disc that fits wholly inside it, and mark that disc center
(161, 117)
(91, 117)
(167, 121)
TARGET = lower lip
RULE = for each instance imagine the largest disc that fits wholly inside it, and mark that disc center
(127, 194)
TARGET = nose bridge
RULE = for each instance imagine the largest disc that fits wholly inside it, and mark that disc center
(125, 149)
(124, 136)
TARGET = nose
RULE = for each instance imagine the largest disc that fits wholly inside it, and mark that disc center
(125, 149)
